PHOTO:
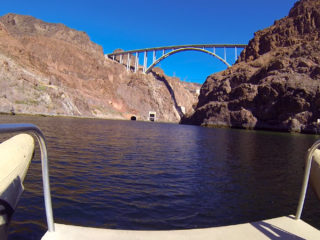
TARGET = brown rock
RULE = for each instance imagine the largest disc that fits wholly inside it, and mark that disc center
(275, 84)
(243, 119)
(52, 69)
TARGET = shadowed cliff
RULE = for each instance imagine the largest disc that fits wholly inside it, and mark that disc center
(274, 84)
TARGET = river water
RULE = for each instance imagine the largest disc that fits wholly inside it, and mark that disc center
(143, 175)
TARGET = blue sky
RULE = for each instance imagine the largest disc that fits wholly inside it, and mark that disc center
(134, 24)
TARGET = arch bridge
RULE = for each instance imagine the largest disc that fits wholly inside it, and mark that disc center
(131, 58)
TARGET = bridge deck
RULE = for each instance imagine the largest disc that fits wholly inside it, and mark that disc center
(278, 228)
(180, 46)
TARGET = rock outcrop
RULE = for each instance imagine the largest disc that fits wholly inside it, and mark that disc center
(275, 83)
(51, 69)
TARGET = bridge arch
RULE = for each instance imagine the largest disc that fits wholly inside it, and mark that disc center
(185, 49)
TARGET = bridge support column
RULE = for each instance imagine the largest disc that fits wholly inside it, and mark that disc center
(128, 62)
(154, 56)
(113, 57)
(235, 54)
(121, 59)
(136, 62)
(145, 62)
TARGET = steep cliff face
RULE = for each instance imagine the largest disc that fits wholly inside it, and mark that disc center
(276, 82)
(52, 69)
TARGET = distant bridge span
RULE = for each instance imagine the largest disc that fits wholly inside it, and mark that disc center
(131, 58)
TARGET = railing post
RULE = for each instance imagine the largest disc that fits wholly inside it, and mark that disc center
(46, 182)
(304, 187)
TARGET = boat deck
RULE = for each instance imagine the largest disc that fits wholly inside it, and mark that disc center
(286, 227)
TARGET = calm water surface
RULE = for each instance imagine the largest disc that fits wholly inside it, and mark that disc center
(141, 175)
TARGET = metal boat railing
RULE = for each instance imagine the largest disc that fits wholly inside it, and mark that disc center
(309, 158)
(25, 127)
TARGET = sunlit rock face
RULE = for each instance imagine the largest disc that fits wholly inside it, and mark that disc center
(275, 84)
(51, 69)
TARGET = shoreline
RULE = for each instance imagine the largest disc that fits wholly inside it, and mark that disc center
(268, 128)
(78, 117)
(259, 128)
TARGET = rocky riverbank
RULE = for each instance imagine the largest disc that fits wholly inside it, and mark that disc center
(275, 84)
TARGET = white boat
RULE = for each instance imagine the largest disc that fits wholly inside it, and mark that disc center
(285, 227)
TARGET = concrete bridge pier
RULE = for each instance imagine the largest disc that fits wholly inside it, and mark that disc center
(154, 56)
(136, 65)
(145, 60)
(128, 62)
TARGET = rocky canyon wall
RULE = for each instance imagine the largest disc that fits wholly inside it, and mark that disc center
(275, 84)
(51, 69)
